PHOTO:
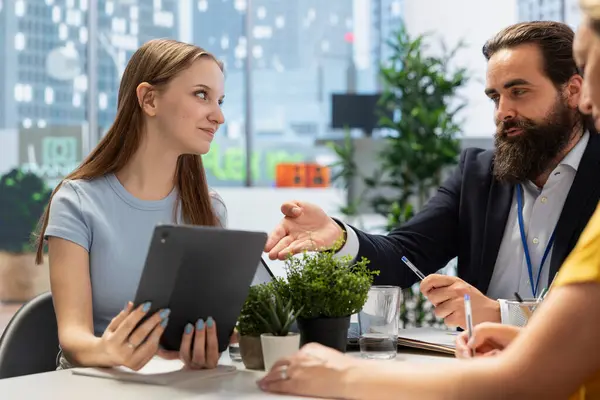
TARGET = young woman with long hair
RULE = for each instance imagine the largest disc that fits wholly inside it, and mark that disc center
(146, 170)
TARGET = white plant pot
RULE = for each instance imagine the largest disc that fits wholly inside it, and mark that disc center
(277, 347)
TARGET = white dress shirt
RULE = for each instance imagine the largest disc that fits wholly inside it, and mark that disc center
(541, 210)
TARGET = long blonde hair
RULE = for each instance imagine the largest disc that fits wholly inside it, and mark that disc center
(591, 8)
(156, 62)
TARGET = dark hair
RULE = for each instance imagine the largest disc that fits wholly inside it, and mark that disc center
(554, 39)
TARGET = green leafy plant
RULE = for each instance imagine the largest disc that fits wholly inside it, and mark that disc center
(344, 173)
(419, 107)
(421, 95)
(248, 323)
(276, 315)
(399, 214)
(323, 284)
(23, 197)
(419, 111)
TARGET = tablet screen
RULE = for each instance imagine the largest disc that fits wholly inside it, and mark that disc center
(263, 274)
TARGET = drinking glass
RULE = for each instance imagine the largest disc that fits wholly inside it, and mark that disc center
(378, 323)
(234, 348)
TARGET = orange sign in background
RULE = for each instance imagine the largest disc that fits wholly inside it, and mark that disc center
(302, 175)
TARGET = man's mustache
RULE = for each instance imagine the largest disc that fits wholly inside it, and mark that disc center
(504, 126)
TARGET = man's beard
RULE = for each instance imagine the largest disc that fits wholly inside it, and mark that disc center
(531, 153)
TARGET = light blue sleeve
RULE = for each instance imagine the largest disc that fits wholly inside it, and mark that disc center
(219, 207)
(66, 219)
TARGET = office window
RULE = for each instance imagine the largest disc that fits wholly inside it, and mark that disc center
(298, 49)
(297, 52)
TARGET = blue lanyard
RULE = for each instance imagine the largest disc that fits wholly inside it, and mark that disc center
(534, 285)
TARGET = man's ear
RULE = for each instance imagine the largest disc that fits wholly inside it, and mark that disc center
(573, 91)
(146, 96)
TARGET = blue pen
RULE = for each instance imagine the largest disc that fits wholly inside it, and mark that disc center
(469, 318)
(413, 268)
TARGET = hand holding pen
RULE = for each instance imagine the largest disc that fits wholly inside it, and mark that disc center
(446, 293)
(487, 340)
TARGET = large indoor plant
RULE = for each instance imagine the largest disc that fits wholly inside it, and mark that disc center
(250, 326)
(277, 316)
(327, 289)
(345, 173)
(422, 91)
(419, 110)
(23, 197)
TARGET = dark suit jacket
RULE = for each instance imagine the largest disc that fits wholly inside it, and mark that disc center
(466, 219)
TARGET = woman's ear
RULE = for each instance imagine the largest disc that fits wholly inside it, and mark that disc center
(146, 96)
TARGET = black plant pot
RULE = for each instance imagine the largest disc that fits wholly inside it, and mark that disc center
(330, 332)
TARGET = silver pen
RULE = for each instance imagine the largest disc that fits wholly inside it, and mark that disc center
(413, 268)
(469, 320)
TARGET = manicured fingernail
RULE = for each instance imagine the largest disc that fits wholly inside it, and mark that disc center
(165, 313)
(189, 328)
(209, 322)
(146, 306)
(200, 324)
(126, 306)
(164, 322)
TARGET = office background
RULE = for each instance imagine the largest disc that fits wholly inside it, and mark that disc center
(62, 61)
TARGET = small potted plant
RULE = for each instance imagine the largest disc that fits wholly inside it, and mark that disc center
(250, 327)
(327, 289)
(277, 317)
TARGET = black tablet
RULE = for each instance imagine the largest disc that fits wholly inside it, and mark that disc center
(198, 272)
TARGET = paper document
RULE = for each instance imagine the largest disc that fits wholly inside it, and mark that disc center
(442, 341)
(157, 372)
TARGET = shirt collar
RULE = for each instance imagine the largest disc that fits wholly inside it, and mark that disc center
(573, 158)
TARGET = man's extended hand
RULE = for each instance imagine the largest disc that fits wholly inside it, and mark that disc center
(305, 226)
(446, 293)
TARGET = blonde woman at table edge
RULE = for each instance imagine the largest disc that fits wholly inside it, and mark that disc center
(146, 170)
(552, 358)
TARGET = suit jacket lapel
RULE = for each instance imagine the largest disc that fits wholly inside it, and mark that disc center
(500, 200)
(579, 205)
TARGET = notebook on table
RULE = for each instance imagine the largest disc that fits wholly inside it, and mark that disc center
(432, 339)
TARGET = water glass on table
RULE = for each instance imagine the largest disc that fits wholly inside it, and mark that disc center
(378, 323)
(234, 348)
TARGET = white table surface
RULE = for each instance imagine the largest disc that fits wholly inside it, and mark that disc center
(64, 385)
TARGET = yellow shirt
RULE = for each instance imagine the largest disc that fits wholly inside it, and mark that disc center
(583, 265)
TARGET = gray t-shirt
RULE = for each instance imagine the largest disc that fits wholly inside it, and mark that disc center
(115, 227)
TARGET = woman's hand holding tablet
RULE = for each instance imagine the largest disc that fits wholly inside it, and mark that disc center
(199, 346)
(129, 345)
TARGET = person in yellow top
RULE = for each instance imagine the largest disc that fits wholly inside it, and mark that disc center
(555, 356)
(581, 269)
